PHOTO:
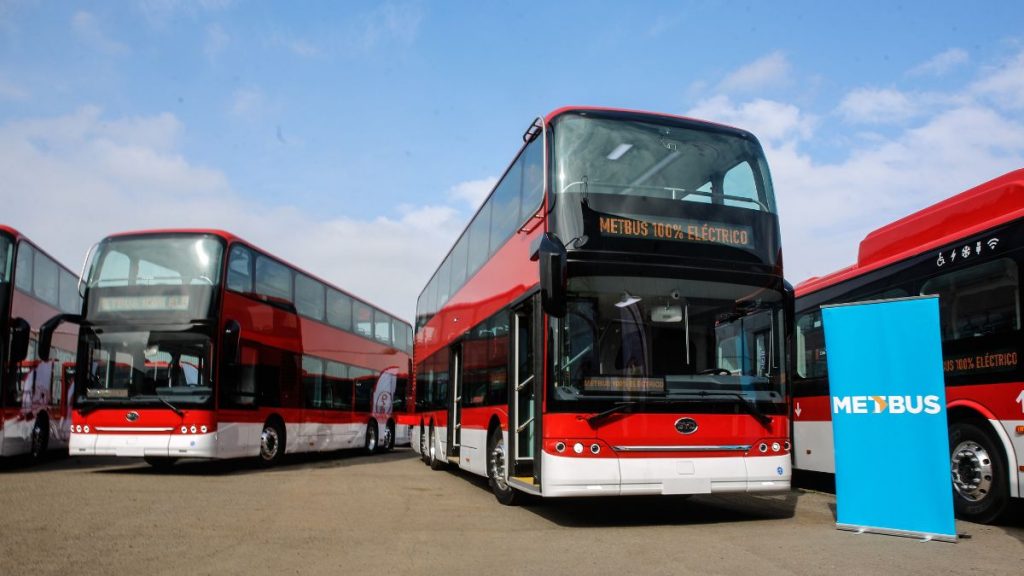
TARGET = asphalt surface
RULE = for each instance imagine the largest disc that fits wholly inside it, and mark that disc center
(346, 513)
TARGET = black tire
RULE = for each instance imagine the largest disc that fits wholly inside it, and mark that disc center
(424, 451)
(497, 460)
(272, 443)
(371, 441)
(40, 437)
(978, 466)
(160, 463)
(389, 443)
(432, 459)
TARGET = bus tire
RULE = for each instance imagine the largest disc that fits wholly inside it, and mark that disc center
(272, 443)
(40, 437)
(370, 443)
(389, 437)
(978, 466)
(160, 463)
(432, 459)
(424, 451)
(497, 462)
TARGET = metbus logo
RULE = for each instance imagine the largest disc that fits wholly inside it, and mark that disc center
(886, 404)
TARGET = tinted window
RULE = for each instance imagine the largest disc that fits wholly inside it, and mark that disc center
(382, 327)
(364, 319)
(46, 279)
(810, 346)
(479, 239)
(505, 209)
(273, 279)
(316, 395)
(443, 283)
(70, 301)
(23, 268)
(337, 377)
(977, 301)
(240, 269)
(5, 259)
(533, 177)
(458, 259)
(339, 309)
(309, 297)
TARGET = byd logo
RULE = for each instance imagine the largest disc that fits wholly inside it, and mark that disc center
(886, 404)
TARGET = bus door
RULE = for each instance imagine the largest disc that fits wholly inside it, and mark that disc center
(454, 404)
(524, 405)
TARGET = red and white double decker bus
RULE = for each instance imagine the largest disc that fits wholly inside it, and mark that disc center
(195, 343)
(34, 395)
(613, 319)
(969, 250)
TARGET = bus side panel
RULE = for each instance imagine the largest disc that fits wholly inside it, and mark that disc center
(475, 424)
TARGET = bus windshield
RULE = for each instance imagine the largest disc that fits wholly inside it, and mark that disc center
(629, 338)
(157, 261)
(595, 155)
(146, 367)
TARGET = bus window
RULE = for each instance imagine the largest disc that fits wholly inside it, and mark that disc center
(810, 346)
(240, 270)
(309, 297)
(23, 268)
(977, 301)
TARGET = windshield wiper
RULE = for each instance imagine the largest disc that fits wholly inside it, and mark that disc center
(172, 407)
(618, 407)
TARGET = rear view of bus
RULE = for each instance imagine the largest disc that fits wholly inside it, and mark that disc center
(196, 344)
(638, 316)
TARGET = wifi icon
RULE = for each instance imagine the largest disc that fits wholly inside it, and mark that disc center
(992, 243)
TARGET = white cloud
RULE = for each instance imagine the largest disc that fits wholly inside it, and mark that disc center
(87, 28)
(1004, 85)
(247, 103)
(473, 192)
(98, 176)
(941, 63)
(768, 71)
(159, 12)
(12, 91)
(769, 120)
(878, 106)
(391, 21)
(298, 46)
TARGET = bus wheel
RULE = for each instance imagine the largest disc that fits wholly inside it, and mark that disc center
(271, 444)
(370, 444)
(389, 437)
(160, 463)
(432, 459)
(497, 464)
(424, 451)
(980, 492)
(40, 437)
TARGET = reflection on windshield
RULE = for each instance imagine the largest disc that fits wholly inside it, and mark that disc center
(605, 156)
(666, 338)
(148, 366)
(159, 260)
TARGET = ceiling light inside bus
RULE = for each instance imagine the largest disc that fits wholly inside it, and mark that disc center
(627, 300)
(619, 151)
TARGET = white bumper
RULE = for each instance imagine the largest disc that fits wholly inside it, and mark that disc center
(139, 445)
(564, 476)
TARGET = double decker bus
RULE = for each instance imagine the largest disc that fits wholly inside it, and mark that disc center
(195, 343)
(613, 320)
(968, 250)
(34, 394)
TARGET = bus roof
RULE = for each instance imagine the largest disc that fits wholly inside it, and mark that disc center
(229, 238)
(569, 109)
(10, 231)
(990, 204)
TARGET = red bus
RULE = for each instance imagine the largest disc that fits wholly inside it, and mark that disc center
(34, 395)
(613, 319)
(969, 250)
(195, 343)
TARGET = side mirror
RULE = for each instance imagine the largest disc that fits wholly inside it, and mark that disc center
(551, 254)
(48, 328)
(231, 345)
(20, 332)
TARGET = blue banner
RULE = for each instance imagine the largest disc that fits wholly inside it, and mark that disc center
(888, 405)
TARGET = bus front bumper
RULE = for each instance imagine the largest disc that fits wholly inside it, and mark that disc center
(140, 445)
(613, 476)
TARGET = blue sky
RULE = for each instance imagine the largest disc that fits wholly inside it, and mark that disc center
(355, 138)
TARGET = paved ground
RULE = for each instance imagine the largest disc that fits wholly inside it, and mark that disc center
(389, 514)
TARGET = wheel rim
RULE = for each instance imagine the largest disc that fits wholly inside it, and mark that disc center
(37, 440)
(386, 441)
(432, 452)
(371, 438)
(972, 471)
(270, 443)
(496, 463)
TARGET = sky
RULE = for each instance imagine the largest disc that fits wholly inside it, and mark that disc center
(356, 139)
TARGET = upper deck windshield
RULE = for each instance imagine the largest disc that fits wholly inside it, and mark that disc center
(668, 340)
(661, 159)
(157, 278)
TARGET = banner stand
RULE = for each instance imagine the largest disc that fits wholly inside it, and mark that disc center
(923, 536)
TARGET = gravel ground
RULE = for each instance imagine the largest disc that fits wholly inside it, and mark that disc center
(346, 513)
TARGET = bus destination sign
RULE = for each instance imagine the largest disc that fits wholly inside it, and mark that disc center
(623, 384)
(143, 303)
(677, 231)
